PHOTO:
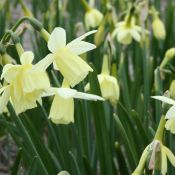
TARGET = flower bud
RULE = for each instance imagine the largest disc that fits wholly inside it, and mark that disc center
(93, 18)
(170, 53)
(158, 28)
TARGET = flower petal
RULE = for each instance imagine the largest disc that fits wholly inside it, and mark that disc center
(164, 99)
(170, 156)
(43, 64)
(66, 92)
(82, 37)
(10, 71)
(135, 35)
(170, 113)
(27, 57)
(80, 47)
(4, 98)
(72, 67)
(57, 39)
(62, 110)
(86, 96)
(163, 160)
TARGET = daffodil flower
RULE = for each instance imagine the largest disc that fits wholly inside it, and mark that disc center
(62, 109)
(158, 28)
(93, 18)
(66, 56)
(157, 154)
(108, 84)
(126, 31)
(157, 147)
(170, 115)
(25, 82)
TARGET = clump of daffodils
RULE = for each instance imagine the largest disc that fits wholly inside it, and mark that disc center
(25, 83)
(127, 30)
(158, 26)
(108, 84)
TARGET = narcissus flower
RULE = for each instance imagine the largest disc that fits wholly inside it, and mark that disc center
(170, 115)
(25, 82)
(157, 154)
(66, 56)
(62, 109)
(155, 148)
(158, 28)
(127, 30)
(108, 84)
(93, 18)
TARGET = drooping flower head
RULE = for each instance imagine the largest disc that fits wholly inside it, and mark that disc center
(66, 56)
(62, 109)
(108, 84)
(127, 30)
(25, 82)
(93, 18)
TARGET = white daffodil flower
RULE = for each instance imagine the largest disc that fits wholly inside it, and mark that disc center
(26, 82)
(93, 18)
(126, 30)
(170, 115)
(62, 109)
(66, 56)
(108, 84)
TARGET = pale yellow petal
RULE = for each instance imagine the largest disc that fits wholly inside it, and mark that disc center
(170, 125)
(35, 81)
(72, 67)
(57, 39)
(163, 160)
(80, 47)
(4, 98)
(82, 36)
(10, 71)
(62, 110)
(43, 64)
(27, 58)
(170, 113)
(170, 156)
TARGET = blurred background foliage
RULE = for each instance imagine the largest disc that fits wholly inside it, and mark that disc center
(104, 139)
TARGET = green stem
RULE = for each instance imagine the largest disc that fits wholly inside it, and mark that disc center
(85, 5)
(6, 37)
(34, 22)
(160, 129)
(45, 34)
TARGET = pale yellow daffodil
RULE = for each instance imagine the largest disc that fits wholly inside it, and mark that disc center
(158, 28)
(66, 56)
(108, 84)
(170, 115)
(93, 18)
(63, 173)
(62, 109)
(157, 154)
(127, 30)
(157, 147)
(25, 82)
